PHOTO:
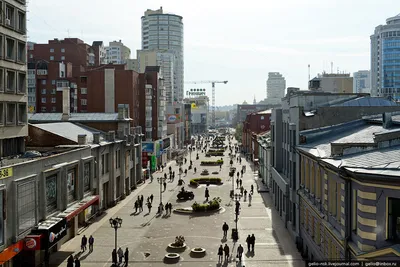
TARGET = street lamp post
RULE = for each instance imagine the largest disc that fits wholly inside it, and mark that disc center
(161, 180)
(115, 223)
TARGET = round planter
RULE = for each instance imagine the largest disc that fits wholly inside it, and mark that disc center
(172, 257)
(171, 246)
(198, 252)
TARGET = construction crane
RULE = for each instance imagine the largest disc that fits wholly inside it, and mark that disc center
(212, 97)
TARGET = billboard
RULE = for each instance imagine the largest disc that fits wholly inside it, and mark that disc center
(173, 118)
(153, 163)
(166, 143)
(196, 92)
(148, 147)
(158, 148)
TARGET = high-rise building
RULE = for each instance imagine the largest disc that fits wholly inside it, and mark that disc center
(332, 82)
(13, 95)
(362, 81)
(385, 59)
(276, 85)
(117, 53)
(161, 31)
(165, 60)
(100, 53)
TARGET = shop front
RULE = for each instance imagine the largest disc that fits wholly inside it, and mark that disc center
(8, 257)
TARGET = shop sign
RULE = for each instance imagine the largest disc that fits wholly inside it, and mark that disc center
(166, 143)
(153, 163)
(57, 232)
(32, 242)
(148, 147)
(173, 118)
(6, 172)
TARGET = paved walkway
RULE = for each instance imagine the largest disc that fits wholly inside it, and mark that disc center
(147, 236)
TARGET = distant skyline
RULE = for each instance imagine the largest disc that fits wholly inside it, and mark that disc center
(227, 40)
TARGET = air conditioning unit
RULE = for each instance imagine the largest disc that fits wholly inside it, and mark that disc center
(8, 22)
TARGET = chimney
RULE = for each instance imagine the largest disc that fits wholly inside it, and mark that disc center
(65, 104)
(81, 139)
(96, 138)
(111, 136)
(121, 111)
(126, 109)
(386, 120)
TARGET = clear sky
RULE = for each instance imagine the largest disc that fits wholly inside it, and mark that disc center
(238, 41)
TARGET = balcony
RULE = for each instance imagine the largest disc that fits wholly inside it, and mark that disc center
(41, 72)
(62, 85)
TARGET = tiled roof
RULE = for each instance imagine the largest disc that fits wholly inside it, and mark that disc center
(74, 117)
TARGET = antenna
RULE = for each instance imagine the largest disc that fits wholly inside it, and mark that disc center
(68, 32)
(309, 72)
(332, 67)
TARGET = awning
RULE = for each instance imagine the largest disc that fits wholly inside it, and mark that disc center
(10, 252)
(77, 208)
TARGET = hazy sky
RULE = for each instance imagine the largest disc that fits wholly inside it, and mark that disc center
(238, 41)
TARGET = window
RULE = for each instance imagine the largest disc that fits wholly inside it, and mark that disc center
(21, 82)
(339, 202)
(44, 82)
(86, 177)
(95, 167)
(51, 50)
(53, 109)
(307, 175)
(83, 79)
(1, 44)
(9, 16)
(71, 184)
(53, 91)
(22, 118)
(83, 102)
(21, 22)
(312, 178)
(21, 56)
(43, 100)
(53, 100)
(43, 91)
(10, 48)
(102, 164)
(354, 211)
(11, 109)
(107, 162)
(393, 219)
(117, 159)
(62, 57)
(53, 82)
(43, 109)
(332, 193)
(318, 183)
(51, 194)
(26, 199)
(1, 113)
(62, 50)
(10, 79)
(1, 80)
(83, 91)
(2, 197)
(51, 57)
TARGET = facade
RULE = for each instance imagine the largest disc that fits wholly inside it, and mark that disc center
(166, 61)
(100, 53)
(276, 85)
(303, 110)
(164, 32)
(333, 83)
(199, 109)
(175, 125)
(362, 82)
(255, 124)
(117, 53)
(264, 157)
(385, 61)
(13, 79)
(187, 121)
(349, 189)
(244, 109)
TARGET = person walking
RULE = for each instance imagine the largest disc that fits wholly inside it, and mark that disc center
(126, 256)
(195, 169)
(165, 176)
(160, 208)
(83, 243)
(166, 208)
(77, 262)
(225, 228)
(252, 189)
(245, 195)
(207, 194)
(114, 257)
(141, 199)
(120, 255)
(165, 186)
(91, 243)
(70, 262)
(237, 174)
(149, 206)
(151, 198)
(226, 250)
(240, 182)
(237, 182)
(220, 253)
(241, 172)
(240, 252)
(250, 197)
(241, 190)
(170, 208)
(248, 241)
(252, 242)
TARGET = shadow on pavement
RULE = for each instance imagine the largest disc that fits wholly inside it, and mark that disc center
(60, 257)
(85, 256)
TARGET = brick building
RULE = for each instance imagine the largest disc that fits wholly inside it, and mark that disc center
(254, 124)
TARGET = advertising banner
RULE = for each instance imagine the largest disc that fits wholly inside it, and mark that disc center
(153, 163)
(148, 147)
(173, 118)
(158, 148)
(166, 143)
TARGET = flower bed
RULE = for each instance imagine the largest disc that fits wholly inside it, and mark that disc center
(215, 150)
(208, 180)
(212, 163)
(213, 204)
(214, 154)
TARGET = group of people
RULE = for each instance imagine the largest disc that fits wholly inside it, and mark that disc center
(121, 255)
(84, 242)
(167, 207)
(138, 205)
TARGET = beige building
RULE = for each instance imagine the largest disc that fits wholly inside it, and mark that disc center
(117, 53)
(334, 83)
(13, 95)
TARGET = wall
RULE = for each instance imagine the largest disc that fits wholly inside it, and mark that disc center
(40, 138)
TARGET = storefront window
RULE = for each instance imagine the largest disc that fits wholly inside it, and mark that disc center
(71, 185)
(26, 206)
(86, 177)
(2, 193)
(51, 193)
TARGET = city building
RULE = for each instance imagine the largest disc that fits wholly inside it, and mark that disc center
(385, 61)
(362, 82)
(255, 124)
(117, 53)
(166, 61)
(276, 85)
(175, 124)
(187, 121)
(13, 77)
(349, 190)
(164, 32)
(305, 110)
(199, 110)
(264, 157)
(331, 82)
(100, 53)
(244, 109)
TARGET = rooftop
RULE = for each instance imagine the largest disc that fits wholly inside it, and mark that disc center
(268, 111)
(74, 117)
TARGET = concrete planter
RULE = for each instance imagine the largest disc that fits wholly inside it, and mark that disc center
(171, 246)
(198, 252)
(172, 257)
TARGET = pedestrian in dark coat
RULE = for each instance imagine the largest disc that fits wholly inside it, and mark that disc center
(91, 243)
(114, 256)
(165, 186)
(225, 229)
(220, 253)
(207, 194)
(240, 182)
(70, 262)
(83, 243)
(136, 206)
(151, 198)
(248, 241)
(170, 208)
(252, 241)
(226, 250)
(237, 182)
(126, 256)
(77, 262)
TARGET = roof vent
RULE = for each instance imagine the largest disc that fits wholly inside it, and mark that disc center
(82, 139)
